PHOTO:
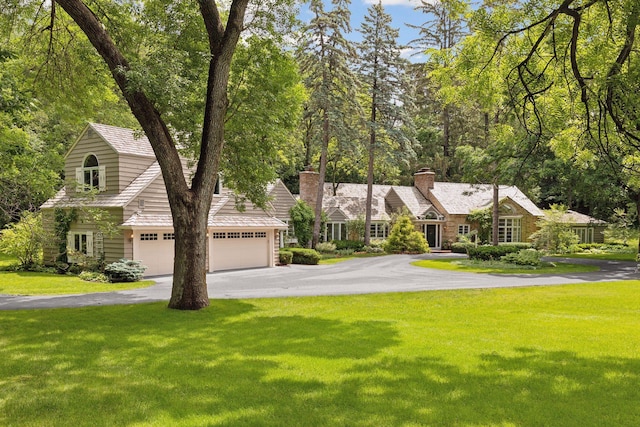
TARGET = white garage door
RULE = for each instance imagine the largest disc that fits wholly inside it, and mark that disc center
(155, 250)
(239, 249)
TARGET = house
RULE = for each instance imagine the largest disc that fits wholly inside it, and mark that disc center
(120, 169)
(439, 209)
(588, 229)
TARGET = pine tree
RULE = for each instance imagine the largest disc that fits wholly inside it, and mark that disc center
(325, 60)
(382, 70)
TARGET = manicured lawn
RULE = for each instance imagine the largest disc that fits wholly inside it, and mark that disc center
(465, 265)
(28, 283)
(541, 356)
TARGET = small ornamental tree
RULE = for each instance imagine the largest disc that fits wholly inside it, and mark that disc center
(554, 234)
(302, 217)
(404, 238)
(23, 240)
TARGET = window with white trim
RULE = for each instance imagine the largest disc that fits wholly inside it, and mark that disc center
(463, 229)
(149, 236)
(261, 234)
(585, 234)
(335, 231)
(91, 176)
(79, 243)
(219, 235)
(509, 230)
(168, 236)
(379, 230)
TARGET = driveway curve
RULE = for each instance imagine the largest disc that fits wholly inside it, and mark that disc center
(393, 273)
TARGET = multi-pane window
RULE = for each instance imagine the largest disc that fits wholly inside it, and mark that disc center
(335, 231)
(585, 234)
(463, 229)
(379, 230)
(261, 234)
(79, 244)
(168, 236)
(247, 234)
(509, 230)
(219, 235)
(148, 236)
(233, 235)
(91, 175)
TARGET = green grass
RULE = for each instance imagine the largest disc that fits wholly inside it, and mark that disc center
(467, 266)
(616, 256)
(29, 283)
(540, 356)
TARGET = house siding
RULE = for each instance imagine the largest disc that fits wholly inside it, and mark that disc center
(155, 199)
(92, 143)
(113, 246)
(131, 167)
(281, 200)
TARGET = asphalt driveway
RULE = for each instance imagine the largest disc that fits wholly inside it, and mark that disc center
(392, 273)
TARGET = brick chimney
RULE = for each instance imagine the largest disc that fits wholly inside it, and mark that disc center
(424, 180)
(309, 186)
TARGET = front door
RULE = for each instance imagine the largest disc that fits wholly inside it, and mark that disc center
(431, 234)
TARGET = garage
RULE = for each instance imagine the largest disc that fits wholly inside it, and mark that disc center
(155, 250)
(234, 249)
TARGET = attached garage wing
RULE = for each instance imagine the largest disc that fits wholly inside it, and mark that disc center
(237, 249)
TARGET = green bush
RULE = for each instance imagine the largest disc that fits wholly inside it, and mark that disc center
(345, 252)
(523, 257)
(304, 256)
(92, 276)
(491, 253)
(124, 271)
(24, 239)
(355, 245)
(326, 247)
(302, 217)
(373, 250)
(404, 238)
(461, 248)
(285, 257)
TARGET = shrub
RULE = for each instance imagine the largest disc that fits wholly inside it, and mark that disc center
(92, 276)
(355, 245)
(124, 271)
(344, 252)
(304, 256)
(285, 257)
(404, 238)
(373, 250)
(523, 257)
(23, 240)
(377, 243)
(491, 253)
(461, 248)
(326, 247)
(302, 217)
(554, 234)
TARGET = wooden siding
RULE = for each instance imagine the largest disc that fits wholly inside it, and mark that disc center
(131, 167)
(113, 246)
(281, 200)
(50, 245)
(230, 209)
(91, 143)
(393, 202)
(155, 199)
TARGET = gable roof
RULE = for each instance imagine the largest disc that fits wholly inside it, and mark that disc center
(578, 218)
(351, 200)
(461, 199)
(121, 140)
(122, 199)
(413, 199)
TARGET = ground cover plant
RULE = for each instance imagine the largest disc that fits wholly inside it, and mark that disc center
(560, 355)
(33, 283)
(500, 267)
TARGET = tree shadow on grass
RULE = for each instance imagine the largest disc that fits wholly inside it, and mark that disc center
(230, 365)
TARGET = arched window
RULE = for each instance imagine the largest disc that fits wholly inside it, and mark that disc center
(91, 175)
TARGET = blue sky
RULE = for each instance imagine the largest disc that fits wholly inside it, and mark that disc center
(401, 11)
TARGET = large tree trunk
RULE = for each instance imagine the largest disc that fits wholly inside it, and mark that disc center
(372, 154)
(189, 290)
(322, 174)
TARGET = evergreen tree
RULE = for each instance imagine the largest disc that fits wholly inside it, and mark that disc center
(325, 59)
(382, 70)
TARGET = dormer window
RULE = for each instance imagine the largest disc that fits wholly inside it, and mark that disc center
(91, 176)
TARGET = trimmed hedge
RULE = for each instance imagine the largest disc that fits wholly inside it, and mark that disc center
(356, 245)
(285, 257)
(494, 253)
(461, 248)
(529, 257)
(124, 271)
(304, 256)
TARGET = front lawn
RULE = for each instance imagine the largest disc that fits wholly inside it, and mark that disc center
(555, 356)
(496, 267)
(30, 283)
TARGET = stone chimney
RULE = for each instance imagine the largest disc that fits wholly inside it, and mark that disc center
(424, 180)
(309, 186)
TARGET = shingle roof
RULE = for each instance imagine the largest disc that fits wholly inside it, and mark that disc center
(229, 221)
(574, 217)
(351, 200)
(461, 199)
(61, 199)
(413, 200)
(124, 141)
